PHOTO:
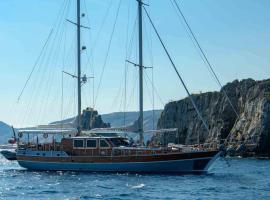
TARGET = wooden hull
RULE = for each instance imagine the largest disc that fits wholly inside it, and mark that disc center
(196, 162)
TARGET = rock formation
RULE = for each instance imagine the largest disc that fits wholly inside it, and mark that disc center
(91, 119)
(251, 100)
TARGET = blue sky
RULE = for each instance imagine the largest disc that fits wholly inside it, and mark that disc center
(234, 34)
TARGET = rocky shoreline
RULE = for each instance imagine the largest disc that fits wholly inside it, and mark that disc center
(251, 131)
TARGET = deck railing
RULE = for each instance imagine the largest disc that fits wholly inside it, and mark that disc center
(121, 151)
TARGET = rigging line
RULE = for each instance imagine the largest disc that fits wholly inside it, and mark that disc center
(51, 76)
(132, 94)
(155, 89)
(54, 62)
(38, 80)
(106, 56)
(148, 90)
(69, 54)
(35, 65)
(150, 99)
(22, 113)
(69, 93)
(88, 38)
(68, 62)
(114, 102)
(129, 49)
(72, 99)
(205, 57)
(125, 96)
(89, 56)
(191, 39)
(65, 35)
(152, 70)
(179, 76)
(147, 41)
(87, 16)
(62, 99)
(100, 29)
(108, 50)
(64, 63)
(125, 92)
(129, 45)
(35, 92)
(125, 64)
(150, 45)
(131, 42)
(121, 101)
(153, 96)
(93, 88)
(127, 30)
(49, 98)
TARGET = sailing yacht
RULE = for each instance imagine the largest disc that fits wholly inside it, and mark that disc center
(74, 150)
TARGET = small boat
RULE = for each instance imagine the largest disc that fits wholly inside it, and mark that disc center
(9, 151)
(9, 155)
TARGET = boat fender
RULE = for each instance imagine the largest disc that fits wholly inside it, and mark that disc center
(11, 141)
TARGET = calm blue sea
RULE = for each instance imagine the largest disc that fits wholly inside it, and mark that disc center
(231, 179)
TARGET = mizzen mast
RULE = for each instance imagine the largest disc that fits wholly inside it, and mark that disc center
(79, 63)
(140, 4)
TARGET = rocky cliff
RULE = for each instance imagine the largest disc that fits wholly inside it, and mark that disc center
(251, 100)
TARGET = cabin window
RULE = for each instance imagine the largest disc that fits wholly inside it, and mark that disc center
(78, 143)
(91, 143)
(103, 144)
(119, 142)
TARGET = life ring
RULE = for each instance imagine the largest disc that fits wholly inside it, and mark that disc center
(45, 135)
(20, 134)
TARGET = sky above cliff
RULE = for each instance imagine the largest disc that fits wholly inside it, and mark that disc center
(234, 34)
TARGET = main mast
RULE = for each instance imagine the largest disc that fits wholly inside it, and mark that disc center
(140, 4)
(79, 63)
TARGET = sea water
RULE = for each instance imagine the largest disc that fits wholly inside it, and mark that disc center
(236, 178)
